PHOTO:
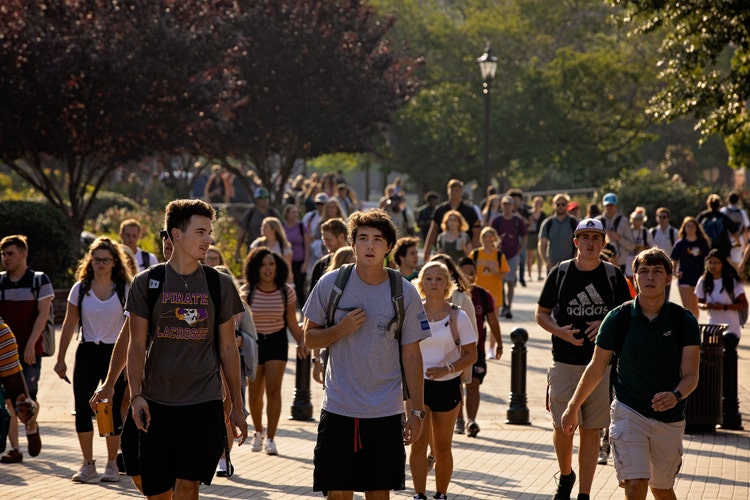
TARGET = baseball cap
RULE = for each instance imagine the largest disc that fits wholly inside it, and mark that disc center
(609, 199)
(572, 205)
(589, 225)
(321, 198)
(260, 192)
(506, 199)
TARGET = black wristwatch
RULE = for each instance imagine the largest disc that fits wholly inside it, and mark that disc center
(420, 414)
(677, 394)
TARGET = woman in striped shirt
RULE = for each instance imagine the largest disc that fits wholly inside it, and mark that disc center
(272, 301)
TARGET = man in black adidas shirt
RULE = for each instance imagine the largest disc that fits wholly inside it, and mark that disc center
(576, 296)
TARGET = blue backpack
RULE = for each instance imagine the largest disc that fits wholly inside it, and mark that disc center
(713, 226)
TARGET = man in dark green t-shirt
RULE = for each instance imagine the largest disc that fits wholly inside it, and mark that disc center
(657, 367)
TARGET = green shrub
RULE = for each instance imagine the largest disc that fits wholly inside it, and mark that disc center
(654, 189)
(107, 199)
(51, 245)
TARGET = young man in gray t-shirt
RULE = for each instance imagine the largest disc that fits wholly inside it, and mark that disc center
(363, 381)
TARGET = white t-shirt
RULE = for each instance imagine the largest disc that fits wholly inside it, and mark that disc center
(440, 349)
(719, 296)
(102, 319)
(151, 259)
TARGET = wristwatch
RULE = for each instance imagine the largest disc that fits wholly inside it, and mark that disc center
(677, 394)
(420, 414)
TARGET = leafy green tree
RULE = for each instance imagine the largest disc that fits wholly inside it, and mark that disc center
(705, 63)
(567, 101)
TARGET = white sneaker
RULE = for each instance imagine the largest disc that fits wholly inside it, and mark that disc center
(257, 441)
(221, 469)
(111, 473)
(86, 473)
(271, 447)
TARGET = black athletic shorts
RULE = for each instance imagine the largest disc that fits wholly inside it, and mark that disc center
(182, 442)
(130, 445)
(273, 346)
(442, 395)
(359, 454)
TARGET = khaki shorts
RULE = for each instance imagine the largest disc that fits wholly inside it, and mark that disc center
(644, 448)
(562, 380)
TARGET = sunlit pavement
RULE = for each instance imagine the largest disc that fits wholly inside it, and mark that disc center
(503, 461)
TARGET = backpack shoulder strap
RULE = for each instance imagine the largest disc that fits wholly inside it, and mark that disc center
(573, 223)
(145, 259)
(474, 255)
(154, 287)
(617, 222)
(499, 256)
(562, 271)
(342, 276)
(453, 320)
(397, 299)
(611, 271)
(672, 232)
(37, 283)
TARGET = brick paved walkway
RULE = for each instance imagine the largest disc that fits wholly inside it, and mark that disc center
(504, 461)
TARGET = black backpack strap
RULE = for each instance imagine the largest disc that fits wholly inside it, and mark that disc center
(397, 299)
(155, 285)
(145, 259)
(342, 276)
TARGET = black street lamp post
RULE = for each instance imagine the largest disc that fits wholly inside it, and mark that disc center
(487, 66)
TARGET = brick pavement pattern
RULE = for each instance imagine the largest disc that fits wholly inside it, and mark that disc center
(503, 461)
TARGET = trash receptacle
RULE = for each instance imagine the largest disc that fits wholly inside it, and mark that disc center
(704, 411)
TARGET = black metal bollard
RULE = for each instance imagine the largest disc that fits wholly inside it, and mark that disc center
(301, 406)
(732, 418)
(518, 411)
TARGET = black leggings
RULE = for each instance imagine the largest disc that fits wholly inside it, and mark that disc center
(91, 366)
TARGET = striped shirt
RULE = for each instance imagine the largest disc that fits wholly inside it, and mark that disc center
(268, 309)
(8, 352)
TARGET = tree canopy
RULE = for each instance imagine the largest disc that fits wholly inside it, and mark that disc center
(704, 63)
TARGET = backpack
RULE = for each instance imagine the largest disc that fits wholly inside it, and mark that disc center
(571, 220)
(48, 333)
(672, 232)
(562, 271)
(741, 312)
(466, 373)
(475, 253)
(736, 215)
(83, 289)
(713, 225)
(156, 283)
(615, 224)
(622, 324)
(397, 300)
(145, 260)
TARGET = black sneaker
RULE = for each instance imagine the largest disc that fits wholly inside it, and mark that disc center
(565, 486)
(472, 429)
(420, 496)
(440, 496)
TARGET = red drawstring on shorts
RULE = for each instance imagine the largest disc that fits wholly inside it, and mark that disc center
(357, 437)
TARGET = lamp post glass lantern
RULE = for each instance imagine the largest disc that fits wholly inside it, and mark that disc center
(487, 67)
